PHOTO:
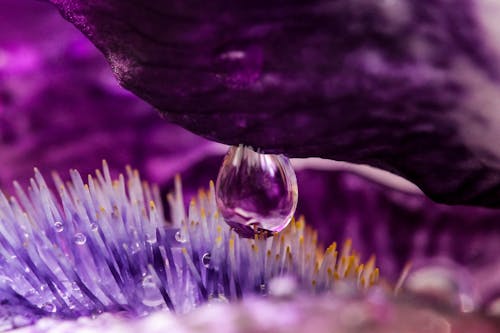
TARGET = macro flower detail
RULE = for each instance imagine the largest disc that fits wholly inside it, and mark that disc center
(104, 246)
(406, 86)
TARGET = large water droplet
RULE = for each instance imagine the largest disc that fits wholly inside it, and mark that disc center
(256, 193)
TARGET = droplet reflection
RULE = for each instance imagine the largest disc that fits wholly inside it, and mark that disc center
(256, 193)
(444, 284)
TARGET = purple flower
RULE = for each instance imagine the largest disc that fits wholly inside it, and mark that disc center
(233, 74)
(104, 246)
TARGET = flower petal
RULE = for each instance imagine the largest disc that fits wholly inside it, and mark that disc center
(406, 86)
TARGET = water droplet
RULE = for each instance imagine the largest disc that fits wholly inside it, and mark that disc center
(49, 307)
(205, 259)
(94, 227)
(134, 247)
(59, 226)
(151, 295)
(442, 283)
(180, 237)
(256, 193)
(79, 238)
(30, 292)
(150, 238)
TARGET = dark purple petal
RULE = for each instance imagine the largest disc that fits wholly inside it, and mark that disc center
(61, 108)
(408, 86)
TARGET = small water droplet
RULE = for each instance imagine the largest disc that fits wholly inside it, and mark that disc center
(442, 283)
(205, 259)
(151, 239)
(59, 226)
(134, 247)
(49, 307)
(79, 238)
(151, 295)
(30, 292)
(180, 237)
(256, 193)
(94, 227)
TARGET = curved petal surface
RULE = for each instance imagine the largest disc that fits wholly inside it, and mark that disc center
(408, 86)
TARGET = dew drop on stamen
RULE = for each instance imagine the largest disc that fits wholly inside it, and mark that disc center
(256, 193)
(180, 237)
(205, 259)
(151, 295)
(49, 307)
(58, 226)
(79, 238)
